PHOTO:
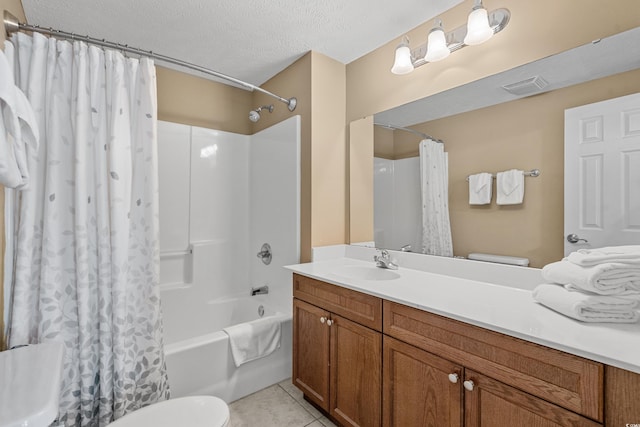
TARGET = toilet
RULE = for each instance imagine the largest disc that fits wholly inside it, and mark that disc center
(192, 411)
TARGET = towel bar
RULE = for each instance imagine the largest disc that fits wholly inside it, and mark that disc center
(532, 173)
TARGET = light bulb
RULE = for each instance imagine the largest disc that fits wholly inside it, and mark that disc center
(402, 63)
(478, 29)
(436, 44)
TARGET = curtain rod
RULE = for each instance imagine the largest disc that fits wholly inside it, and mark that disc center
(393, 127)
(12, 25)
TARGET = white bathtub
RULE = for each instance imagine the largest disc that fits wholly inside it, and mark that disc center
(197, 351)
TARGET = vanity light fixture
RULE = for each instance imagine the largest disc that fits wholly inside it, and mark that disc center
(481, 26)
(403, 63)
(437, 48)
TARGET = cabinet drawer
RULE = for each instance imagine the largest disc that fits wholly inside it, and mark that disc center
(361, 308)
(566, 380)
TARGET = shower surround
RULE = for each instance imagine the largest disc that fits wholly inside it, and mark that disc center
(223, 195)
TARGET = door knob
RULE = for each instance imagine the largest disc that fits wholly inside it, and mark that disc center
(573, 238)
(329, 322)
(468, 384)
(323, 319)
(453, 377)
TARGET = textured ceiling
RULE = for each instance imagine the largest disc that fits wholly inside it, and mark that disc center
(249, 40)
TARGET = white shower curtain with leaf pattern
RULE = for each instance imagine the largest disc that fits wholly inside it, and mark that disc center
(434, 186)
(86, 228)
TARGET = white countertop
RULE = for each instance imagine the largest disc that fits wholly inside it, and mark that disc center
(504, 309)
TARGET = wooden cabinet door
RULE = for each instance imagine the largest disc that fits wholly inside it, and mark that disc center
(491, 403)
(356, 367)
(311, 352)
(417, 390)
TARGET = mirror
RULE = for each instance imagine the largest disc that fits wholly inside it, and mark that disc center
(487, 129)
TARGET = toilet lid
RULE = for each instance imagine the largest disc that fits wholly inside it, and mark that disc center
(192, 411)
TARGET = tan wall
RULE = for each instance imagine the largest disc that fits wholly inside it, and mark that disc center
(196, 101)
(537, 29)
(14, 7)
(329, 152)
(524, 134)
(361, 132)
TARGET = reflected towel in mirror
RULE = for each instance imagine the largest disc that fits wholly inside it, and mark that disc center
(510, 187)
(480, 186)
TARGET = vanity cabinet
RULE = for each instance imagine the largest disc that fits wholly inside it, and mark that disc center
(419, 388)
(503, 380)
(337, 350)
(367, 361)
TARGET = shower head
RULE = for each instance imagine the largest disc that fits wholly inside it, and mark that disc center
(254, 115)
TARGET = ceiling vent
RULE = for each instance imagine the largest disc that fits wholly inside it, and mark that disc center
(527, 87)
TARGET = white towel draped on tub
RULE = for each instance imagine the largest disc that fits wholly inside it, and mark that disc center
(255, 339)
(480, 186)
(510, 187)
(587, 307)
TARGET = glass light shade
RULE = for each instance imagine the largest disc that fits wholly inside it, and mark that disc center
(478, 29)
(436, 46)
(402, 64)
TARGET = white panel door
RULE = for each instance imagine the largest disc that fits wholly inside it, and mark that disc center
(602, 174)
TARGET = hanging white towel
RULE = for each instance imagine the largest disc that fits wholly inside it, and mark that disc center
(586, 307)
(510, 187)
(604, 279)
(253, 340)
(480, 186)
(629, 254)
(18, 128)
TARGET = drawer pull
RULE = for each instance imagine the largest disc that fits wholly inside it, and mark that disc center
(329, 322)
(468, 384)
(323, 319)
(453, 378)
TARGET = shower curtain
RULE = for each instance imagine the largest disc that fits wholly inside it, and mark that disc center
(86, 228)
(434, 186)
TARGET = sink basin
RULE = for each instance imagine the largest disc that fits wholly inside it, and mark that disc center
(363, 272)
(30, 379)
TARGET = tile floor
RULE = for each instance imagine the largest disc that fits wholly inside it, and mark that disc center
(280, 405)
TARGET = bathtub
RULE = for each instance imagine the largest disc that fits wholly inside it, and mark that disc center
(198, 356)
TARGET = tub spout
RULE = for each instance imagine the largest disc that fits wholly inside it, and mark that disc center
(260, 291)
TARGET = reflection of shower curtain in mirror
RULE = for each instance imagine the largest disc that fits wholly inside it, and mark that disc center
(434, 186)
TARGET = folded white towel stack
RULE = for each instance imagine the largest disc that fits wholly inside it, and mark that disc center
(253, 340)
(621, 254)
(604, 279)
(480, 186)
(510, 187)
(587, 307)
(594, 285)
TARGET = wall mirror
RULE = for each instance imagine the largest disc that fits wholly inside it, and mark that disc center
(487, 129)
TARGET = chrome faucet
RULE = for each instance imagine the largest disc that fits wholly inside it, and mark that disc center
(260, 291)
(383, 260)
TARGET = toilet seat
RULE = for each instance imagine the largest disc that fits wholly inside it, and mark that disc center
(192, 411)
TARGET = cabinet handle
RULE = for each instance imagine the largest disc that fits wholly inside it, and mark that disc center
(329, 322)
(468, 384)
(323, 319)
(453, 377)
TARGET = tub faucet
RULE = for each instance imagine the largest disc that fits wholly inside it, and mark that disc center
(260, 291)
(383, 260)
